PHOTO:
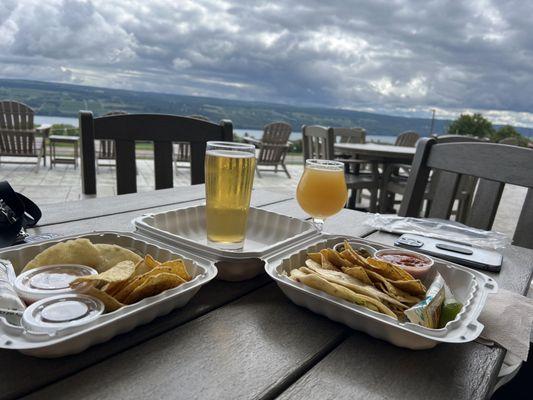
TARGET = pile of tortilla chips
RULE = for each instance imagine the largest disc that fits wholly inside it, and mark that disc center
(128, 282)
(368, 282)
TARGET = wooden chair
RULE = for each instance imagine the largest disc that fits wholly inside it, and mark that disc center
(182, 150)
(273, 146)
(350, 135)
(106, 148)
(18, 134)
(408, 139)
(493, 164)
(395, 183)
(158, 128)
(318, 142)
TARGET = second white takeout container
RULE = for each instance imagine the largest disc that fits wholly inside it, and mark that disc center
(469, 286)
(105, 326)
(267, 234)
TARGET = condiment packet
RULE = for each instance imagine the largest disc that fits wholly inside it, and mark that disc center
(427, 312)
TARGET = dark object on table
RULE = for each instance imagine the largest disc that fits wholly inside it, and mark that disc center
(273, 146)
(318, 142)
(460, 253)
(494, 165)
(16, 213)
(159, 128)
(18, 134)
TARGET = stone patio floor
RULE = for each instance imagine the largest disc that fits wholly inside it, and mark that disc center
(63, 184)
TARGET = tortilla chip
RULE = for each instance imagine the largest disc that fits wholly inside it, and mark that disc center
(388, 270)
(110, 303)
(355, 285)
(120, 272)
(155, 284)
(333, 289)
(391, 290)
(177, 267)
(316, 257)
(336, 259)
(150, 261)
(326, 264)
(358, 273)
(77, 251)
(113, 254)
(414, 287)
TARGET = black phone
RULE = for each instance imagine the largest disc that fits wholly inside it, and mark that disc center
(460, 253)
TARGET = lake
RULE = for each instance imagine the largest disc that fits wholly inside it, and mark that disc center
(44, 119)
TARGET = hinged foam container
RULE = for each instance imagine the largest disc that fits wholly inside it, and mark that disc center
(267, 234)
(469, 286)
(110, 324)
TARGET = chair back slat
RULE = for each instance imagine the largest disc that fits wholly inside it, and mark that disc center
(126, 176)
(17, 134)
(350, 135)
(485, 204)
(274, 143)
(318, 142)
(407, 139)
(522, 235)
(442, 204)
(161, 129)
(494, 164)
(485, 160)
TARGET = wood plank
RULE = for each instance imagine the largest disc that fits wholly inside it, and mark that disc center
(78, 210)
(246, 349)
(373, 369)
(163, 165)
(442, 201)
(126, 166)
(523, 235)
(485, 204)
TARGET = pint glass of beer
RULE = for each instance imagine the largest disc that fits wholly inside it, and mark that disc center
(229, 176)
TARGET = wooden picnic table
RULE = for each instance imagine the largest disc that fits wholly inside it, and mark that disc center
(246, 340)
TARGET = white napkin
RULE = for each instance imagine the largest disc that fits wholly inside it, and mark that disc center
(508, 318)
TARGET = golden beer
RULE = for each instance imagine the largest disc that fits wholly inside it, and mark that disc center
(322, 190)
(229, 177)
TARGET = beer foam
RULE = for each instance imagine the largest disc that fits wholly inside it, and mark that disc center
(230, 153)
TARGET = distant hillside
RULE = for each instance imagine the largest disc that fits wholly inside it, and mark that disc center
(66, 100)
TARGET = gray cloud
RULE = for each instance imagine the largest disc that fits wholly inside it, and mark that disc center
(403, 57)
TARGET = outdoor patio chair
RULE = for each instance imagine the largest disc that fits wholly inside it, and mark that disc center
(273, 147)
(408, 139)
(18, 135)
(106, 148)
(493, 164)
(182, 150)
(318, 142)
(161, 129)
(394, 182)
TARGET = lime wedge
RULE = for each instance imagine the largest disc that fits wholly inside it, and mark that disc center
(448, 313)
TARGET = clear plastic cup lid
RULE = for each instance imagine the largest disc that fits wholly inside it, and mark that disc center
(51, 280)
(61, 312)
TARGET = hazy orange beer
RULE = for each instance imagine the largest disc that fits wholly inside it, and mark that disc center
(229, 177)
(322, 189)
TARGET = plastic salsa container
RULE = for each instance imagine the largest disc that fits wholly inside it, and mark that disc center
(416, 264)
(52, 280)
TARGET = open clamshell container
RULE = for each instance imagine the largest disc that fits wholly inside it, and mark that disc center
(470, 287)
(267, 234)
(105, 326)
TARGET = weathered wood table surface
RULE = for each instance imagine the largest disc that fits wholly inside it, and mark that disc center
(247, 340)
(387, 153)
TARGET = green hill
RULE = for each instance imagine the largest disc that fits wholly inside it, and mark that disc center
(56, 99)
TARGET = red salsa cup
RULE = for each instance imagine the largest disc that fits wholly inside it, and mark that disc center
(416, 264)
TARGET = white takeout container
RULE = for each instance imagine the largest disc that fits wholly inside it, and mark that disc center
(469, 286)
(105, 326)
(267, 233)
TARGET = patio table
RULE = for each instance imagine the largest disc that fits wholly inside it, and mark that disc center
(246, 339)
(385, 153)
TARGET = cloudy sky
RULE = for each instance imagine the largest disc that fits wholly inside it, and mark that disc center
(401, 57)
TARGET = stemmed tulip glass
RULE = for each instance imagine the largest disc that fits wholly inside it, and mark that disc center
(322, 190)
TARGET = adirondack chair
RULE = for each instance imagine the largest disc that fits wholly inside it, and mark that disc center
(18, 134)
(408, 138)
(107, 149)
(182, 150)
(273, 146)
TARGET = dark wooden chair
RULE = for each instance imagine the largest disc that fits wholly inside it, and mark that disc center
(318, 142)
(182, 150)
(18, 135)
(493, 164)
(158, 128)
(273, 146)
(106, 148)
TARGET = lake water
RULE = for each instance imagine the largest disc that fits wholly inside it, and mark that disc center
(44, 119)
